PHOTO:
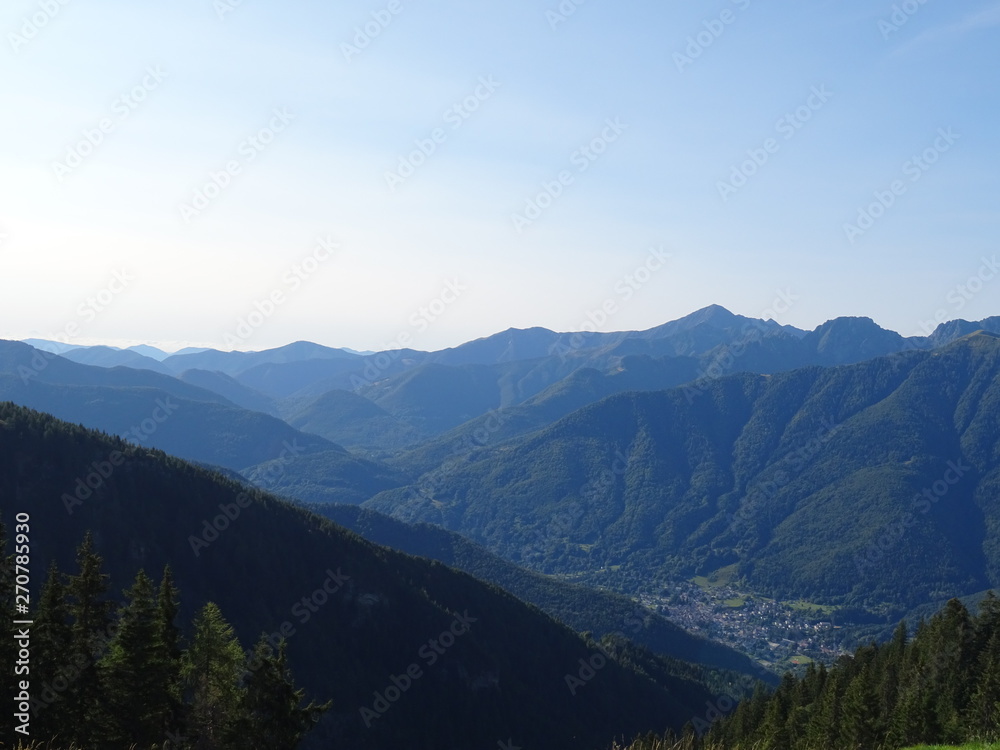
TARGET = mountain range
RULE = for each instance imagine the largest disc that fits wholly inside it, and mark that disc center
(847, 467)
(366, 627)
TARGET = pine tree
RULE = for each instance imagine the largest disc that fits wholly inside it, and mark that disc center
(135, 672)
(271, 716)
(824, 726)
(859, 705)
(982, 718)
(49, 637)
(950, 661)
(914, 719)
(987, 621)
(774, 730)
(89, 637)
(168, 641)
(890, 670)
(211, 670)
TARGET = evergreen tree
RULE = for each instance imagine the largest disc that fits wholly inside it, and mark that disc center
(914, 719)
(774, 730)
(824, 726)
(50, 635)
(135, 672)
(987, 621)
(89, 637)
(890, 668)
(168, 639)
(950, 659)
(211, 670)
(982, 718)
(272, 717)
(859, 728)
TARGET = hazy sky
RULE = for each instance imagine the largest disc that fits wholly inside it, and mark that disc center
(170, 169)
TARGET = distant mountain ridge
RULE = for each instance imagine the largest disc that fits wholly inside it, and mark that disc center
(535, 343)
(801, 478)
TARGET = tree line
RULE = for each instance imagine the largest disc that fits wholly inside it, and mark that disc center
(940, 685)
(122, 675)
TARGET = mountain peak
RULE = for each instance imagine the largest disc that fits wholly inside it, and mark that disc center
(710, 314)
(853, 339)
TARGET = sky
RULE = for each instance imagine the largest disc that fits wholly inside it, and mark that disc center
(247, 173)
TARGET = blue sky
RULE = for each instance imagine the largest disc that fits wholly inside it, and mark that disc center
(550, 160)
